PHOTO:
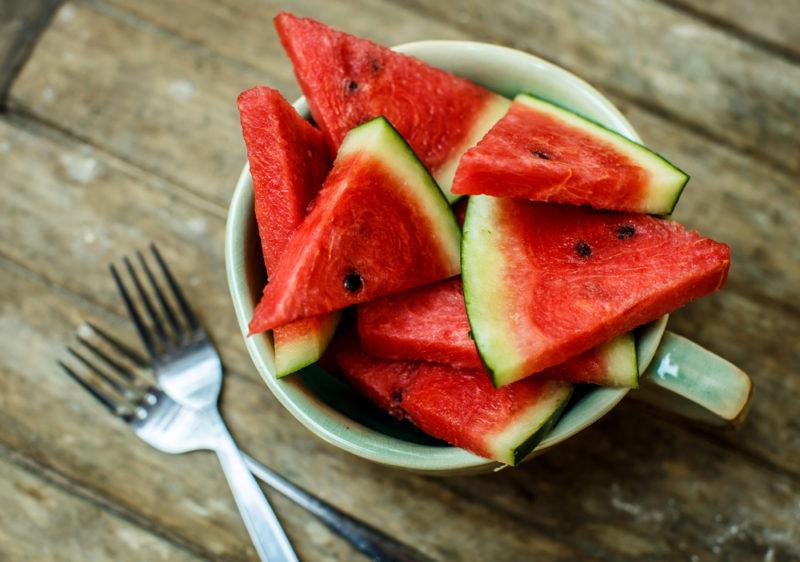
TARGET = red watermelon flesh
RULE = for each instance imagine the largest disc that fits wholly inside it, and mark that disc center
(380, 225)
(380, 381)
(348, 80)
(288, 162)
(459, 406)
(430, 324)
(543, 152)
(426, 324)
(543, 282)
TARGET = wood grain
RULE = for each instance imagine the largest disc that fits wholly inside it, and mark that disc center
(121, 208)
(122, 130)
(771, 24)
(41, 521)
(690, 72)
(21, 23)
(185, 497)
(668, 61)
(158, 136)
(766, 258)
(121, 196)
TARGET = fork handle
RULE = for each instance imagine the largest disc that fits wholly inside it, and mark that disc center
(374, 544)
(269, 538)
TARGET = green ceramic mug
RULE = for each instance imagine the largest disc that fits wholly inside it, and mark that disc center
(677, 375)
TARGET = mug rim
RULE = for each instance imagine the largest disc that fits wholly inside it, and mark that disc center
(342, 431)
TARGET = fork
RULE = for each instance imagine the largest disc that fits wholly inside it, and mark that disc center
(172, 428)
(189, 371)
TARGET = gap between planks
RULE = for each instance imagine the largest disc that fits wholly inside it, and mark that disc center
(92, 304)
(730, 28)
(80, 491)
(26, 121)
(23, 43)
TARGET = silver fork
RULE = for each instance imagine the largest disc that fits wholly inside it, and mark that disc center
(184, 360)
(118, 383)
(189, 370)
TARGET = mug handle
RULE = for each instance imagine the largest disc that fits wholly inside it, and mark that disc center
(689, 381)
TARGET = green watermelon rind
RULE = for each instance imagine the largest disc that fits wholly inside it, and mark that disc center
(513, 445)
(486, 261)
(665, 203)
(307, 348)
(439, 210)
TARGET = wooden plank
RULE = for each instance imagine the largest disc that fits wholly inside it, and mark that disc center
(670, 62)
(438, 516)
(155, 115)
(771, 24)
(21, 23)
(41, 521)
(144, 102)
(667, 499)
(206, 24)
(98, 204)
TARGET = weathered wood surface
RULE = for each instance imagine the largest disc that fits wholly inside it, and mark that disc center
(21, 23)
(122, 129)
(773, 24)
(36, 506)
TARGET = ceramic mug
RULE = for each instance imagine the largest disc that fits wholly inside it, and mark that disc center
(677, 375)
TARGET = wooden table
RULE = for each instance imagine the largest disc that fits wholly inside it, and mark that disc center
(119, 127)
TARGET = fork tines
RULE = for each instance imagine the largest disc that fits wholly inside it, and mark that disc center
(164, 328)
(118, 387)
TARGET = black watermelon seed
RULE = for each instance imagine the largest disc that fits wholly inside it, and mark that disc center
(397, 395)
(542, 155)
(625, 231)
(583, 249)
(353, 282)
(376, 65)
(352, 86)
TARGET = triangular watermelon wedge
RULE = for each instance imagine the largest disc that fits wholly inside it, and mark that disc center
(544, 152)
(379, 225)
(459, 406)
(288, 163)
(348, 80)
(430, 324)
(545, 282)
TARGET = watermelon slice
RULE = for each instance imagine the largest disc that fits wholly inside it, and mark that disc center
(288, 163)
(543, 152)
(459, 406)
(380, 225)
(430, 324)
(545, 282)
(348, 80)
